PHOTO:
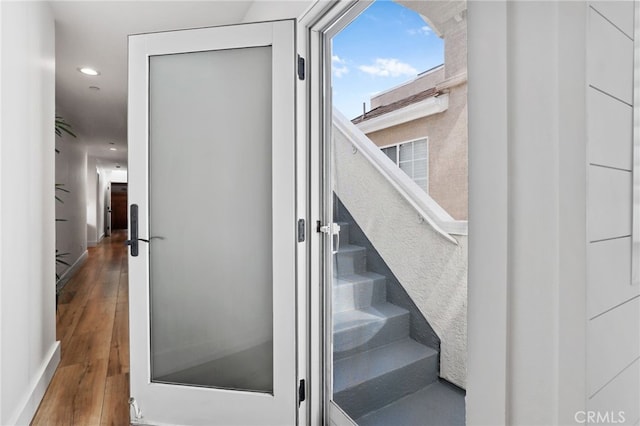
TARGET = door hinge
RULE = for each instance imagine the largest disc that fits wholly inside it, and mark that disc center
(301, 392)
(300, 67)
(301, 230)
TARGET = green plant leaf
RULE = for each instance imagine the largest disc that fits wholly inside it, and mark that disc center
(59, 257)
(59, 187)
(62, 126)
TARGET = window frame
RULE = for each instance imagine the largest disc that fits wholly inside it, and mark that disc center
(397, 161)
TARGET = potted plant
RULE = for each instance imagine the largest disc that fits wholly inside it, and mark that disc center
(61, 126)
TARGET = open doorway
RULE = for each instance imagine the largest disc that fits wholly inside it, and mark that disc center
(119, 214)
(396, 198)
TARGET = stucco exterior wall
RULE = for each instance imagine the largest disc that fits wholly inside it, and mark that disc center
(431, 269)
(448, 149)
(455, 49)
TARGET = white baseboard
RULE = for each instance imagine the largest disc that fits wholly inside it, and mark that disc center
(100, 238)
(66, 275)
(29, 404)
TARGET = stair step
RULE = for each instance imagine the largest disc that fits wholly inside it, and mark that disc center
(356, 291)
(438, 404)
(350, 259)
(363, 329)
(369, 380)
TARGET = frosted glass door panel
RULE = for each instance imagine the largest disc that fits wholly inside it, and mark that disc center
(210, 198)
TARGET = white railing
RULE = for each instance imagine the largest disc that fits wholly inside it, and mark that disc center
(420, 243)
(425, 206)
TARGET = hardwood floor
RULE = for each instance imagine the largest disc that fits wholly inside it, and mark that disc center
(91, 384)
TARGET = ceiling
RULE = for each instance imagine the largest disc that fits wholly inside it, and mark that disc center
(94, 34)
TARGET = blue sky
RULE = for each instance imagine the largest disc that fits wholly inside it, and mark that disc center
(386, 45)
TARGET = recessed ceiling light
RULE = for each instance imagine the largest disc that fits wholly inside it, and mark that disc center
(88, 71)
(113, 149)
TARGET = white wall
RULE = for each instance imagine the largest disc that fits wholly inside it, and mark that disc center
(104, 194)
(274, 10)
(118, 176)
(539, 208)
(613, 308)
(533, 206)
(71, 171)
(92, 201)
(487, 392)
(28, 350)
(97, 184)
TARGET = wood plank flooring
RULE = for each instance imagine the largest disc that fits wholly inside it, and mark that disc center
(91, 384)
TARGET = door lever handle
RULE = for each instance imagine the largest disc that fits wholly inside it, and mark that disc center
(150, 238)
(332, 229)
(130, 242)
(133, 241)
(133, 230)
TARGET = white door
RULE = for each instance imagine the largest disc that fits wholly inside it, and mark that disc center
(211, 175)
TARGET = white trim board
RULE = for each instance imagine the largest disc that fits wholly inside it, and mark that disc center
(31, 401)
(68, 273)
(425, 108)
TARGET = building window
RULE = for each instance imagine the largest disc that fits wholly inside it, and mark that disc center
(413, 158)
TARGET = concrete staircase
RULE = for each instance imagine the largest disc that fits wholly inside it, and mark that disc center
(376, 363)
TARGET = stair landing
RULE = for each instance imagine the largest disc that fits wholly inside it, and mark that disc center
(438, 404)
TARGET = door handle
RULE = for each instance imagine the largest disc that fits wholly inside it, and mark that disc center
(332, 229)
(130, 242)
(150, 238)
(133, 241)
(133, 231)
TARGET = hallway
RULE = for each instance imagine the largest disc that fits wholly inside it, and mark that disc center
(91, 383)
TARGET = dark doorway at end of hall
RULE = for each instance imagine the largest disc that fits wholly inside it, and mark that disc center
(119, 206)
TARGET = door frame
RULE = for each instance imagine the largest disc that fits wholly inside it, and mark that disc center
(311, 42)
(487, 382)
(488, 244)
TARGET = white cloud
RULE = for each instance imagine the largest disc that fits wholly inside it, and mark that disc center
(390, 67)
(339, 66)
(425, 30)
